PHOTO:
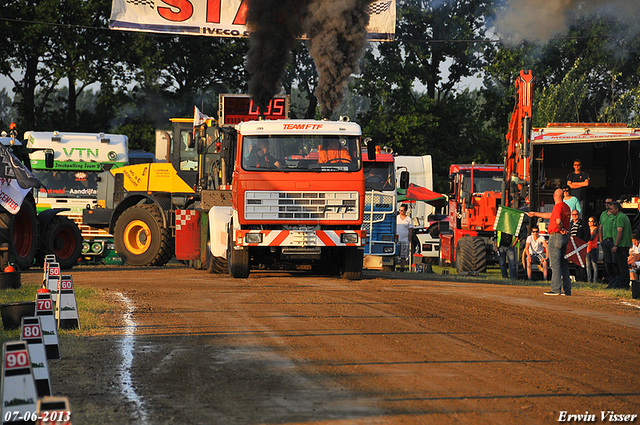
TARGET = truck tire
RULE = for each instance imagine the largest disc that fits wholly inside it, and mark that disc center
(216, 265)
(352, 268)
(140, 238)
(63, 238)
(471, 255)
(237, 260)
(20, 231)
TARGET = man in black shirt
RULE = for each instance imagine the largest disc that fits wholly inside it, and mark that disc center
(578, 181)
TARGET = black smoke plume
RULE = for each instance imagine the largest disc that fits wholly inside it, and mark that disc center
(274, 27)
(337, 32)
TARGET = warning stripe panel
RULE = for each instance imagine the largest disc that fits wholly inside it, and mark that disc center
(301, 239)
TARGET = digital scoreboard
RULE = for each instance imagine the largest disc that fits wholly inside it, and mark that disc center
(236, 108)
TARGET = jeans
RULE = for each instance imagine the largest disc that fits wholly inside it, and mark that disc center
(592, 265)
(611, 270)
(621, 280)
(508, 254)
(559, 265)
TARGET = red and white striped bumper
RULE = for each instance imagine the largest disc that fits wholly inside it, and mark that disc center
(299, 238)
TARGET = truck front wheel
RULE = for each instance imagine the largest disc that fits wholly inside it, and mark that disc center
(140, 238)
(352, 268)
(62, 238)
(238, 259)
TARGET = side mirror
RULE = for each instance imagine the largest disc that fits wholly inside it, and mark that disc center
(48, 158)
(467, 196)
(404, 180)
(371, 149)
(191, 143)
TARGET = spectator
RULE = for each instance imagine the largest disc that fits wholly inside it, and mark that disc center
(536, 252)
(559, 222)
(572, 201)
(404, 229)
(606, 232)
(578, 181)
(579, 229)
(592, 251)
(335, 152)
(620, 250)
(506, 249)
(634, 257)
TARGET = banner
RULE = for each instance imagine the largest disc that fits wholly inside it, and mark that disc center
(219, 18)
(11, 195)
(508, 220)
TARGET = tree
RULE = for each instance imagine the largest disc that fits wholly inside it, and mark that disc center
(26, 44)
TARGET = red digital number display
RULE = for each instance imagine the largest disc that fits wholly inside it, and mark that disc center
(236, 109)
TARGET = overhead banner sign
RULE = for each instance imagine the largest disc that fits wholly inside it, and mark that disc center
(219, 18)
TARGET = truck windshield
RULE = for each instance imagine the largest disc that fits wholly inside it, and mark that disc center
(379, 176)
(483, 181)
(301, 153)
(68, 184)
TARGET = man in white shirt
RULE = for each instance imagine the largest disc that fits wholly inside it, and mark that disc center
(536, 252)
(404, 227)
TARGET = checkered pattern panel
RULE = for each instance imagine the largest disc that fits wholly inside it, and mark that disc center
(149, 3)
(379, 7)
(183, 216)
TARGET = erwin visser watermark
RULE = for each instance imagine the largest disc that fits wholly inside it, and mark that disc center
(604, 416)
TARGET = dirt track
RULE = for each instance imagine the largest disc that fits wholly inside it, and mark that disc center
(281, 348)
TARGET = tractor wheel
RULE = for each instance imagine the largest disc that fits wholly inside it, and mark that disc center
(140, 238)
(471, 255)
(20, 231)
(61, 237)
(237, 260)
(352, 268)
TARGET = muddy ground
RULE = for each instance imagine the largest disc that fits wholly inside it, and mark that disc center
(187, 347)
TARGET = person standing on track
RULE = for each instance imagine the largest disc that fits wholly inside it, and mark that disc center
(559, 222)
(404, 228)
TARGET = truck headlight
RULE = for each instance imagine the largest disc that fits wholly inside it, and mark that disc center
(387, 249)
(349, 238)
(253, 238)
(96, 248)
(85, 247)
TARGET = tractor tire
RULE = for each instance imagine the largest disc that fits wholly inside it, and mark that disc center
(21, 232)
(471, 255)
(237, 260)
(140, 238)
(352, 267)
(63, 238)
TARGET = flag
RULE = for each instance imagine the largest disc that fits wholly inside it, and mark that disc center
(198, 119)
(508, 220)
(11, 168)
(577, 251)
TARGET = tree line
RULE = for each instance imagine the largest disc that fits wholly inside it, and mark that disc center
(71, 73)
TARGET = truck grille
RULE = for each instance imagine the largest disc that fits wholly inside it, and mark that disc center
(301, 205)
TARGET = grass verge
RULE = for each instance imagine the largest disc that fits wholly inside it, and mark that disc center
(96, 311)
(494, 276)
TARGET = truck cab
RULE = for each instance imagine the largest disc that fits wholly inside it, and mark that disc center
(380, 210)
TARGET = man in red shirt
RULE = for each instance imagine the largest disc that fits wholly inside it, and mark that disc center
(559, 224)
